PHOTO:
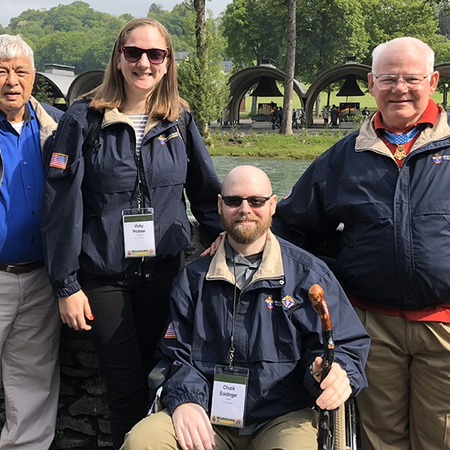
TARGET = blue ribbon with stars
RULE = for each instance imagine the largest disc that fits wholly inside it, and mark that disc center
(402, 139)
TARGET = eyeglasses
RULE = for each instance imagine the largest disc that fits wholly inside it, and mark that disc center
(387, 82)
(134, 54)
(234, 201)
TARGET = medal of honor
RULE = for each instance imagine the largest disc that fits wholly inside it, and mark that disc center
(400, 140)
(400, 152)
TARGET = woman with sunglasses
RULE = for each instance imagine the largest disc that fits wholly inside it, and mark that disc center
(114, 218)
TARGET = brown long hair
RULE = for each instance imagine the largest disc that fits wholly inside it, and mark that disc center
(163, 102)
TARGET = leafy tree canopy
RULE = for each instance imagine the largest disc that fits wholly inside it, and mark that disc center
(74, 35)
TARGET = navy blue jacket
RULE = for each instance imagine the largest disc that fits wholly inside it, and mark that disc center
(277, 337)
(83, 203)
(395, 245)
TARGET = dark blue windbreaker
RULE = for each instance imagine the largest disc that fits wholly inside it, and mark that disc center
(83, 203)
(395, 246)
(277, 337)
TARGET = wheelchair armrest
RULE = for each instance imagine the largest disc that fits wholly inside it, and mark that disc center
(159, 374)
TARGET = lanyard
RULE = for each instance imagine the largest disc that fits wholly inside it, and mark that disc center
(236, 301)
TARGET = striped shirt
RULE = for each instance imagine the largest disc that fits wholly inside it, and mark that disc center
(139, 122)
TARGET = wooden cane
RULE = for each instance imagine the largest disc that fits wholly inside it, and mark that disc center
(327, 422)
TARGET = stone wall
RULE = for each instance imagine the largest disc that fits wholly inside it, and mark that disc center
(83, 414)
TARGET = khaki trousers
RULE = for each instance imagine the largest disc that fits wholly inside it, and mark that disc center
(29, 344)
(293, 431)
(407, 403)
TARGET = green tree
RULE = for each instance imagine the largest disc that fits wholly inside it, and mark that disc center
(418, 19)
(62, 48)
(201, 78)
(327, 32)
(43, 92)
(254, 29)
(158, 10)
(73, 34)
(180, 24)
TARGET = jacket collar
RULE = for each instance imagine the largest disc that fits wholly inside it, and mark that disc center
(369, 140)
(271, 266)
(115, 116)
(46, 124)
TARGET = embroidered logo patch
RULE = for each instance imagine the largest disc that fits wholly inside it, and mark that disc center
(288, 194)
(269, 302)
(438, 159)
(163, 140)
(59, 160)
(288, 301)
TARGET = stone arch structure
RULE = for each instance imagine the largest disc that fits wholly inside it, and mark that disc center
(242, 81)
(328, 77)
(84, 83)
(444, 70)
(68, 87)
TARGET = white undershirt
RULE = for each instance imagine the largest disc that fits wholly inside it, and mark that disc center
(18, 126)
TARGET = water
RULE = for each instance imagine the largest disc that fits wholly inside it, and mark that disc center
(283, 173)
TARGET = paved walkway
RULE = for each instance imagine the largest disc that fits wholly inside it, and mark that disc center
(245, 126)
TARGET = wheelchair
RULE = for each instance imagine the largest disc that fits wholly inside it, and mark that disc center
(343, 426)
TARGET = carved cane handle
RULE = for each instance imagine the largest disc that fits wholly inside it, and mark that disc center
(317, 299)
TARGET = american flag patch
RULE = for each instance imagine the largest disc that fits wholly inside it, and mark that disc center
(59, 160)
(170, 332)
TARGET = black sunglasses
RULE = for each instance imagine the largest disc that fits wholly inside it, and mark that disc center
(134, 54)
(235, 201)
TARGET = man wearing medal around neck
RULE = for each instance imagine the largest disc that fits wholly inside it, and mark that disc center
(383, 194)
(245, 342)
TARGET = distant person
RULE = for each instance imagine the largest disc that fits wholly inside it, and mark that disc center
(334, 116)
(247, 308)
(30, 324)
(276, 120)
(114, 218)
(325, 114)
(294, 119)
(366, 112)
(301, 116)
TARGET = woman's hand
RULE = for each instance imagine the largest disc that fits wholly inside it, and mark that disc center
(74, 310)
(211, 251)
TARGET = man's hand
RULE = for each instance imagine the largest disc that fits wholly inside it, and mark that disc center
(192, 427)
(336, 386)
(211, 251)
(74, 309)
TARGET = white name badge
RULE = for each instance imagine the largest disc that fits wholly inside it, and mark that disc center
(138, 232)
(228, 396)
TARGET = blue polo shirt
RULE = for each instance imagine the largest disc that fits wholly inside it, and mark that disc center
(21, 191)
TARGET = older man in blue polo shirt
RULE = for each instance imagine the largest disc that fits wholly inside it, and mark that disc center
(29, 318)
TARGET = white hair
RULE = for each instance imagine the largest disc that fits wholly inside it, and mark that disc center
(402, 44)
(15, 47)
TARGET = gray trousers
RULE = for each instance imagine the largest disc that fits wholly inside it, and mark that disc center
(29, 344)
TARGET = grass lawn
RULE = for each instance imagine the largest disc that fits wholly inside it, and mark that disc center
(298, 146)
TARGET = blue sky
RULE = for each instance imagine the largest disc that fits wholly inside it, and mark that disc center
(137, 8)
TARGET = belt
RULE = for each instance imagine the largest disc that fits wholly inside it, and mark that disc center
(24, 268)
